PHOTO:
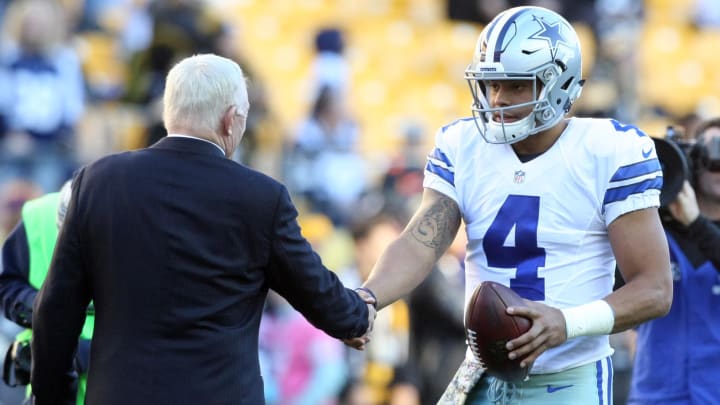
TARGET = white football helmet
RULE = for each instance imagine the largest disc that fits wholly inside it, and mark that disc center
(525, 43)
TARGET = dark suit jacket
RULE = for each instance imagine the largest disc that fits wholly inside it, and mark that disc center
(177, 247)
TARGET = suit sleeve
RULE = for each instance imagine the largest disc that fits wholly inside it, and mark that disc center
(297, 273)
(59, 312)
(16, 293)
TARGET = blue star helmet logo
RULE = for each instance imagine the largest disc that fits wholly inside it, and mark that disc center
(551, 33)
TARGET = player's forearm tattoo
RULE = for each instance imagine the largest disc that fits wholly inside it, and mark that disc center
(436, 228)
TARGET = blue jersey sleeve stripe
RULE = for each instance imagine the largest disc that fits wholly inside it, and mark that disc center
(636, 170)
(438, 155)
(443, 172)
(620, 193)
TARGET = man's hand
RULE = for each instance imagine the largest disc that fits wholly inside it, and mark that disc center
(685, 207)
(548, 330)
(359, 343)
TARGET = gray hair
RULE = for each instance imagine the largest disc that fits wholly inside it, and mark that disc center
(198, 91)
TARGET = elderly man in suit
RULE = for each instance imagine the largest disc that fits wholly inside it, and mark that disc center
(177, 246)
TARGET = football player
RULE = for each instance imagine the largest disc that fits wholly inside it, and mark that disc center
(550, 204)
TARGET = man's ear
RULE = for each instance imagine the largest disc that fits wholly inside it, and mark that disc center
(227, 121)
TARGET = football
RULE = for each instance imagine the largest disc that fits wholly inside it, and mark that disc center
(488, 328)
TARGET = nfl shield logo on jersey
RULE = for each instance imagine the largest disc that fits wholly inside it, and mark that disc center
(519, 177)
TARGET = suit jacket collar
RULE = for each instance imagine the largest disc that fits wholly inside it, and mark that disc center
(183, 144)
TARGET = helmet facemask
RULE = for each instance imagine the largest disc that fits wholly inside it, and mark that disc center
(525, 43)
(496, 130)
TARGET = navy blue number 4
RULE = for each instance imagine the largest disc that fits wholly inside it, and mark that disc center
(522, 213)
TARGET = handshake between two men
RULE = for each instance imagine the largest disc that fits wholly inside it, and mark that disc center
(359, 343)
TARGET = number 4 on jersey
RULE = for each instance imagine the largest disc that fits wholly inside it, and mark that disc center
(520, 212)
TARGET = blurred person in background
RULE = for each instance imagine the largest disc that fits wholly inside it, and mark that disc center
(181, 28)
(402, 181)
(26, 256)
(3, 6)
(13, 195)
(43, 94)
(437, 333)
(386, 372)
(484, 11)
(323, 163)
(306, 365)
(706, 14)
(329, 67)
(677, 356)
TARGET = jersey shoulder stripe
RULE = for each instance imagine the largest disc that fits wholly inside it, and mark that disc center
(623, 192)
(636, 169)
(439, 164)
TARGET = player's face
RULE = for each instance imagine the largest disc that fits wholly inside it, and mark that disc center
(709, 182)
(505, 93)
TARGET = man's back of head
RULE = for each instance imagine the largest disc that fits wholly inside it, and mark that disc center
(198, 92)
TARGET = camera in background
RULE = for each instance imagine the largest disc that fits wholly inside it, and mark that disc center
(682, 159)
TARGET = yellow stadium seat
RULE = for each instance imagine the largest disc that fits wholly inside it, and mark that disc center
(99, 56)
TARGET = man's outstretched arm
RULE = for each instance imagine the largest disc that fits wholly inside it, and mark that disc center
(408, 260)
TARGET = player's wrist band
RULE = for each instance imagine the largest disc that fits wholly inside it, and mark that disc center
(591, 319)
(370, 293)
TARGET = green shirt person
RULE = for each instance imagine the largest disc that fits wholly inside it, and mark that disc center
(26, 257)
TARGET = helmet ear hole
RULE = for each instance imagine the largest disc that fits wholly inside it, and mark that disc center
(546, 115)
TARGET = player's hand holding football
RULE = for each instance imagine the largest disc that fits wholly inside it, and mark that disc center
(548, 330)
(359, 343)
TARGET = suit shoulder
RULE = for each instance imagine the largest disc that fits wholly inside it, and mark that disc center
(109, 161)
(256, 177)
(266, 191)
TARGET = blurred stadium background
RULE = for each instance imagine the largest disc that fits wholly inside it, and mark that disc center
(407, 59)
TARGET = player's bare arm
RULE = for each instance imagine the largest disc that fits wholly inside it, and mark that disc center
(410, 258)
(437, 226)
(641, 250)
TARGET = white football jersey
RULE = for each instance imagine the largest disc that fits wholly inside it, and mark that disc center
(540, 227)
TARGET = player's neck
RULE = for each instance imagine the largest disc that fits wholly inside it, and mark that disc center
(540, 142)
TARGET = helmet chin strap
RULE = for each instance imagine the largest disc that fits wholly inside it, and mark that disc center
(497, 132)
